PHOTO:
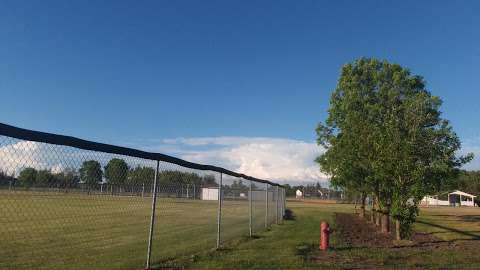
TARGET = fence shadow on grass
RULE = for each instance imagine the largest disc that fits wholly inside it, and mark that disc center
(470, 218)
(466, 233)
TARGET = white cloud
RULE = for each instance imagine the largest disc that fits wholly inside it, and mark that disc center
(276, 159)
(18, 155)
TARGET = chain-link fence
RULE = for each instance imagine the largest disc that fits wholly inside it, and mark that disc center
(66, 203)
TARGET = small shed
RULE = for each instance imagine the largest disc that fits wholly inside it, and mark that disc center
(461, 198)
(209, 194)
(299, 194)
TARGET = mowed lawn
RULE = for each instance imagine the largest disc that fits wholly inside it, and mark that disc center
(78, 231)
(450, 223)
(294, 244)
(55, 231)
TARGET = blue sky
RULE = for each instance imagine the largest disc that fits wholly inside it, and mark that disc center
(160, 75)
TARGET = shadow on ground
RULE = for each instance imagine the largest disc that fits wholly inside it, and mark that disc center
(289, 215)
(471, 234)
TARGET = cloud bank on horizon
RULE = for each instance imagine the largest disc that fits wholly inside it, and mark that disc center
(277, 159)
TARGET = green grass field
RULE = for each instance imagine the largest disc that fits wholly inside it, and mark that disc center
(293, 245)
(76, 231)
(450, 223)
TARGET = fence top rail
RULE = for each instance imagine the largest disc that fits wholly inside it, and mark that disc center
(56, 139)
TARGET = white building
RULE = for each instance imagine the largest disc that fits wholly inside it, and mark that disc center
(299, 194)
(464, 199)
(433, 201)
(209, 194)
(456, 198)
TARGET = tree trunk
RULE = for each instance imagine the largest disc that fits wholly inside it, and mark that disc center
(372, 216)
(398, 234)
(377, 213)
(362, 206)
(355, 207)
(385, 222)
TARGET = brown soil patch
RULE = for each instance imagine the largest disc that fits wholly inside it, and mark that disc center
(353, 233)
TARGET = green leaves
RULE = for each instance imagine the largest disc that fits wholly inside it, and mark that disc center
(91, 173)
(116, 171)
(27, 177)
(384, 135)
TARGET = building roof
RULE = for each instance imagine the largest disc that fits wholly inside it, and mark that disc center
(458, 192)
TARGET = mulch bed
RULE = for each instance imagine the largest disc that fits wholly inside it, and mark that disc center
(352, 232)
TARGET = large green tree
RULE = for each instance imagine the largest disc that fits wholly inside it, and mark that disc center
(347, 135)
(385, 135)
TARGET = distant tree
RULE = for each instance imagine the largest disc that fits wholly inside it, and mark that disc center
(116, 171)
(27, 177)
(178, 178)
(468, 181)
(44, 178)
(91, 173)
(209, 181)
(289, 190)
(141, 176)
(235, 188)
(67, 179)
(6, 179)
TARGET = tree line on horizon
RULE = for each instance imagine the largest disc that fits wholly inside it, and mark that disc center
(385, 138)
(116, 172)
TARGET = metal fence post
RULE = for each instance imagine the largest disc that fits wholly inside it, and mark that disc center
(276, 203)
(152, 217)
(281, 207)
(266, 206)
(250, 210)
(219, 211)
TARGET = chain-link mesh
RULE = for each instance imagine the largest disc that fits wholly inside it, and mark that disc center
(258, 207)
(186, 217)
(65, 207)
(68, 208)
(271, 204)
(235, 208)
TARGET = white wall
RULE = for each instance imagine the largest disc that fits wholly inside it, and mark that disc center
(467, 203)
(427, 200)
(210, 194)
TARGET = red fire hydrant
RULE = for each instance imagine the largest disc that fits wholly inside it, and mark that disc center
(324, 235)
